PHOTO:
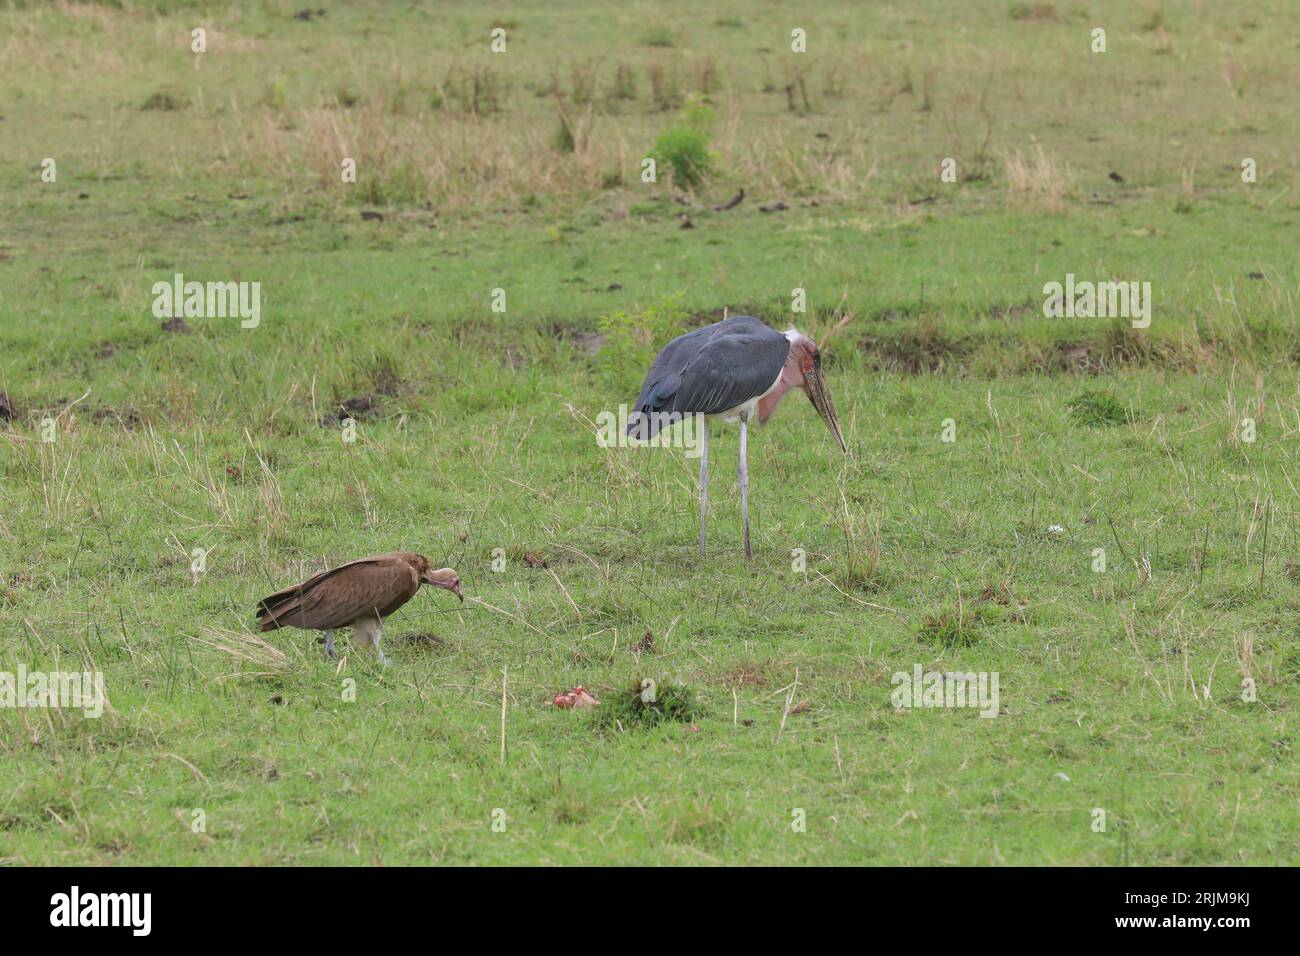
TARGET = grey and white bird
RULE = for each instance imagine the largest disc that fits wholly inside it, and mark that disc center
(737, 370)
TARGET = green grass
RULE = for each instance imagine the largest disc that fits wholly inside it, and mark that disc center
(1092, 407)
(475, 433)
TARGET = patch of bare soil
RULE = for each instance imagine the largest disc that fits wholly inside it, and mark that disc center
(584, 340)
(127, 416)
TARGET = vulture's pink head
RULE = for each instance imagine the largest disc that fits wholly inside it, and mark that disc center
(443, 578)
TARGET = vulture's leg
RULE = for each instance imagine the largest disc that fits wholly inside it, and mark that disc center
(704, 477)
(329, 642)
(366, 630)
(743, 473)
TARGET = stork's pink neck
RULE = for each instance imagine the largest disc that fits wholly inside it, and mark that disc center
(791, 377)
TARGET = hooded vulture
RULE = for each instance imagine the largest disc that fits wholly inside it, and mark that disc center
(359, 595)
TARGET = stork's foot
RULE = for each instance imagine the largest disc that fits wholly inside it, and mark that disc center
(329, 644)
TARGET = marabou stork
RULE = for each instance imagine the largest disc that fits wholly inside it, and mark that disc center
(736, 370)
(358, 594)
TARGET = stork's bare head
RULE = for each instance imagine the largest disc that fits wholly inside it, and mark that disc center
(443, 578)
(814, 383)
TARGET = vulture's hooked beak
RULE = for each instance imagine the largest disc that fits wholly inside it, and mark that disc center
(820, 396)
(448, 580)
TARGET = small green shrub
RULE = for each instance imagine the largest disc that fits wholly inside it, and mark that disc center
(402, 184)
(683, 148)
(633, 338)
(644, 703)
(950, 628)
(564, 137)
(624, 85)
(273, 94)
(1097, 408)
(658, 37)
(165, 102)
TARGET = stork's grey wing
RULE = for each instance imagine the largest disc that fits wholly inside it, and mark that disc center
(737, 364)
(708, 371)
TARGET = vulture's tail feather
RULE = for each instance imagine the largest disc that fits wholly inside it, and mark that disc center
(277, 611)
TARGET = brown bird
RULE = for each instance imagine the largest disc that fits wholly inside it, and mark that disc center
(359, 595)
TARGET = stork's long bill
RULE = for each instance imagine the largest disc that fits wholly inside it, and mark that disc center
(820, 396)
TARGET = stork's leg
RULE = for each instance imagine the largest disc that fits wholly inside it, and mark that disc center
(329, 642)
(704, 477)
(743, 472)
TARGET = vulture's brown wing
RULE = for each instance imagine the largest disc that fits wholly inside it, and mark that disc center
(339, 596)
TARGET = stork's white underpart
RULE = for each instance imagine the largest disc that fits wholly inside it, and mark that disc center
(749, 409)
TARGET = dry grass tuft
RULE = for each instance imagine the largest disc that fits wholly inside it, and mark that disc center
(1037, 181)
